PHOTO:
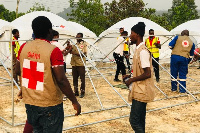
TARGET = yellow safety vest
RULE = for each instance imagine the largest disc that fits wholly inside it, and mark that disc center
(126, 45)
(17, 46)
(152, 47)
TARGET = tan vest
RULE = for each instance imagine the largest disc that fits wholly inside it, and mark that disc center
(39, 86)
(183, 46)
(142, 91)
(76, 60)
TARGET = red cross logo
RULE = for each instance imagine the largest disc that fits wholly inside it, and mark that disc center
(62, 26)
(33, 75)
(185, 43)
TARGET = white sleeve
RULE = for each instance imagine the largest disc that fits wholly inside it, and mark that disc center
(144, 58)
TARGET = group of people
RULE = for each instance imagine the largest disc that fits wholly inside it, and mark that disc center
(40, 63)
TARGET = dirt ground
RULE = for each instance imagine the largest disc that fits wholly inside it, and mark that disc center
(163, 115)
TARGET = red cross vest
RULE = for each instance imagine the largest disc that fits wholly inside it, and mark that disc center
(38, 85)
(183, 46)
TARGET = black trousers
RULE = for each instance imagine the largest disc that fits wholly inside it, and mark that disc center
(137, 116)
(127, 59)
(120, 64)
(156, 67)
(76, 72)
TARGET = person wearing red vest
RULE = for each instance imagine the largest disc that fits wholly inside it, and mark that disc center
(40, 65)
(153, 44)
(182, 53)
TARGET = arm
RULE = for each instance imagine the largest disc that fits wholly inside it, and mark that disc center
(65, 87)
(173, 42)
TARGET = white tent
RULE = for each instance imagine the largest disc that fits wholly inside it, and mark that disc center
(3, 23)
(107, 44)
(193, 26)
(67, 29)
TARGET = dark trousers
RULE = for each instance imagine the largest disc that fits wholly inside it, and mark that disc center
(120, 64)
(76, 72)
(137, 116)
(127, 59)
(156, 67)
(65, 67)
(45, 119)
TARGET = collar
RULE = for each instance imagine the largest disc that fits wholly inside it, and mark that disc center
(152, 38)
(42, 39)
(137, 47)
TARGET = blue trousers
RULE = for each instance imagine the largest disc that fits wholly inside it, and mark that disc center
(178, 67)
(137, 116)
(45, 119)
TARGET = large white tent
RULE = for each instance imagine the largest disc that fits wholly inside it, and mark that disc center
(3, 23)
(193, 26)
(108, 44)
(67, 29)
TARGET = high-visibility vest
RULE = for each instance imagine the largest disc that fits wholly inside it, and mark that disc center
(126, 45)
(17, 47)
(152, 47)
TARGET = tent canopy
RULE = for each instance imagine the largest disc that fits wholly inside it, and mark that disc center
(106, 45)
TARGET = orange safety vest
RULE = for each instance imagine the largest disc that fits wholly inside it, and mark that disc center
(150, 44)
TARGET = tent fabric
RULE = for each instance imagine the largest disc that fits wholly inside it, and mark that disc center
(193, 26)
(3, 23)
(67, 29)
(108, 38)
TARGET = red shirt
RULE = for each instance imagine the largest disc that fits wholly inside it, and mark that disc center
(56, 56)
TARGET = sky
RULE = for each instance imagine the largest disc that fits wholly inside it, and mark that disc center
(57, 6)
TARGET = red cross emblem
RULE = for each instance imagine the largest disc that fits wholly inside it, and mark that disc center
(185, 43)
(33, 75)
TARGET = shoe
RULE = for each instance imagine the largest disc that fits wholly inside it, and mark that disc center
(82, 95)
(173, 90)
(76, 94)
(198, 68)
(117, 80)
(157, 79)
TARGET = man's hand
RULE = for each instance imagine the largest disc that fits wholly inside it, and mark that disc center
(19, 95)
(128, 82)
(158, 45)
(77, 107)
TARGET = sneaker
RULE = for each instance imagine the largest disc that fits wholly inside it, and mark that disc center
(82, 95)
(157, 79)
(117, 80)
(76, 94)
(198, 68)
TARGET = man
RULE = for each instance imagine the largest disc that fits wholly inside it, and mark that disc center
(119, 56)
(40, 65)
(142, 90)
(126, 50)
(182, 52)
(78, 68)
(15, 49)
(121, 30)
(153, 44)
(59, 45)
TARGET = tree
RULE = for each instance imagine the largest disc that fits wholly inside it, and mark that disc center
(89, 13)
(38, 7)
(117, 11)
(7, 15)
(182, 11)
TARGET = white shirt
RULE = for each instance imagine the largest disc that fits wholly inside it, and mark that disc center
(60, 46)
(120, 48)
(144, 57)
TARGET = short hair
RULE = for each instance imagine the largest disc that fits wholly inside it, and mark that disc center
(14, 31)
(151, 30)
(185, 32)
(124, 32)
(121, 28)
(41, 26)
(81, 34)
(55, 33)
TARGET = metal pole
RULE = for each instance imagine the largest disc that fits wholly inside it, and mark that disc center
(104, 78)
(80, 53)
(176, 80)
(160, 90)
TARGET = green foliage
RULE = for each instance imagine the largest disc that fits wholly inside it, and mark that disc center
(117, 11)
(38, 7)
(89, 13)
